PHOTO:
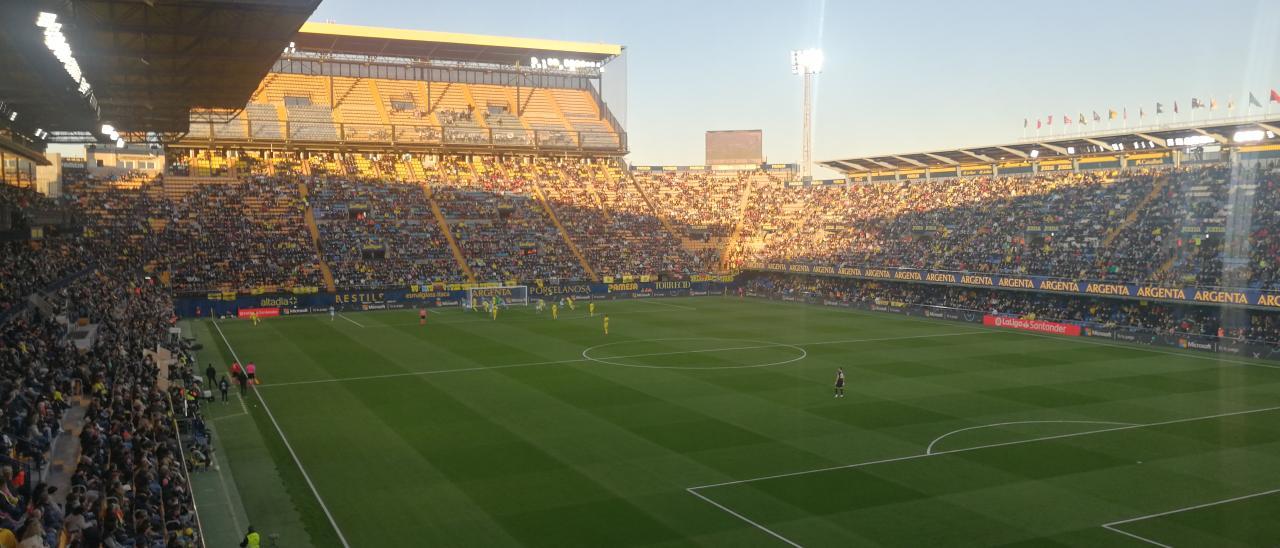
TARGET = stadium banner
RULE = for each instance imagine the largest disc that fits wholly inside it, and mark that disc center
(259, 312)
(728, 167)
(429, 296)
(1041, 326)
(1135, 335)
(1198, 295)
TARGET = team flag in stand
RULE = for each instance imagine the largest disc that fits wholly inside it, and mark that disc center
(1275, 97)
(1175, 107)
(1126, 113)
(1025, 123)
(1112, 114)
(1253, 101)
(1066, 119)
(1037, 123)
(1159, 108)
(1213, 104)
(1082, 121)
(1096, 118)
(1231, 103)
(1195, 103)
(1142, 112)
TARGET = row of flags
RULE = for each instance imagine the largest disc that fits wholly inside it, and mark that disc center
(1123, 113)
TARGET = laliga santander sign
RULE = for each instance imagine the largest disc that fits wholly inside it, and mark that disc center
(1038, 326)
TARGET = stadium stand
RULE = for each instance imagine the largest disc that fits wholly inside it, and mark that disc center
(504, 232)
(1101, 225)
(377, 234)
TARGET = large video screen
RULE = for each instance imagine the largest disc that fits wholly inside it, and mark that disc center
(743, 146)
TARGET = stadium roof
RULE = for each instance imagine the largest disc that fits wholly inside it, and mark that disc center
(148, 62)
(450, 46)
(1065, 146)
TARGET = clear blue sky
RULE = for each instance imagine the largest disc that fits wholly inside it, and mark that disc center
(901, 76)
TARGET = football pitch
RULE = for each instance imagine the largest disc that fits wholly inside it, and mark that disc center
(711, 421)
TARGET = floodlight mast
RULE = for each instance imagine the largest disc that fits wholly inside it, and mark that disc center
(807, 62)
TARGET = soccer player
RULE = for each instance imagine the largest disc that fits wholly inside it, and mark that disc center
(422, 316)
(570, 301)
(539, 305)
(839, 382)
(591, 309)
(555, 311)
(606, 325)
(494, 309)
(331, 313)
(254, 316)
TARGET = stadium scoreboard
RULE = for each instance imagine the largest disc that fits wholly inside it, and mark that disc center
(733, 147)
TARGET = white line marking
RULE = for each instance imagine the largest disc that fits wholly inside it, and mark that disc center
(576, 360)
(417, 373)
(344, 316)
(292, 453)
(1139, 537)
(1195, 507)
(988, 446)
(744, 518)
(524, 317)
(998, 424)
(611, 360)
(234, 415)
(1112, 526)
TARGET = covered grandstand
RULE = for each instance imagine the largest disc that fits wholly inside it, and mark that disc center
(352, 88)
(1171, 144)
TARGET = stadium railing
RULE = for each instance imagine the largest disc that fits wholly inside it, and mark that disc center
(311, 131)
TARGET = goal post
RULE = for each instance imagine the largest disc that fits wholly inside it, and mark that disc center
(510, 295)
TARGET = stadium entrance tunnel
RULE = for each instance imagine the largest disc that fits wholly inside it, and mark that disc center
(695, 353)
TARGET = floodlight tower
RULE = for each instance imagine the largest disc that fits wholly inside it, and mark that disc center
(807, 62)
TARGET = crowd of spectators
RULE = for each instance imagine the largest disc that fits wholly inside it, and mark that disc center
(380, 233)
(1168, 226)
(704, 204)
(612, 223)
(499, 224)
(129, 485)
(246, 235)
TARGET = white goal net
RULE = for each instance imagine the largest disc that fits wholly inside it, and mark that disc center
(507, 295)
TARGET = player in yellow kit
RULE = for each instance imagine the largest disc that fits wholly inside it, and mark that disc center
(494, 308)
(570, 301)
(591, 309)
(606, 325)
(254, 316)
(555, 311)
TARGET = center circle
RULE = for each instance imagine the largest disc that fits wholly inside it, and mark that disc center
(600, 353)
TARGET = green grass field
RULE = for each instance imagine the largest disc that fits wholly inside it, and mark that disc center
(711, 421)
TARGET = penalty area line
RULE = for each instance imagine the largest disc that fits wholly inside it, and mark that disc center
(990, 446)
(1112, 526)
(1109, 526)
(771, 532)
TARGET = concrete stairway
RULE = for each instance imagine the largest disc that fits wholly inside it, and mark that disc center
(448, 235)
(310, 218)
(564, 234)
